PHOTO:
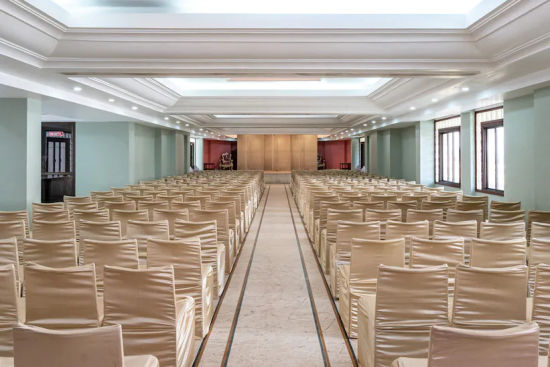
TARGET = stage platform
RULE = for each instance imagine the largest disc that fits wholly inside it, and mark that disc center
(277, 177)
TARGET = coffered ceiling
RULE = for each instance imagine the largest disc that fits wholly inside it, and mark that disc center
(275, 68)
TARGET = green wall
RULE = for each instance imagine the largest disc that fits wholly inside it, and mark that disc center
(145, 161)
(408, 153)
(20, 149)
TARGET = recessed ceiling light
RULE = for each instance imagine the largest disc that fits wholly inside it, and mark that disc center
(178, 122)
(201, 129)
(186, 124)
(352, 129)
(374, 121)
(77, 88)
(435, 100)
(365, 124)
(112, 100)
(465, 89)
(383, 117)
(134, 108)
(166, 119)
(412, 108)
(193, 131)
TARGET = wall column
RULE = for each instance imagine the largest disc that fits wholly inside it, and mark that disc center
(355, 153)
(20, 149)
(467, 153)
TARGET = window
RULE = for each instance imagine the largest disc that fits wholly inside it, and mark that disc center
(447, 151)
(490, 151)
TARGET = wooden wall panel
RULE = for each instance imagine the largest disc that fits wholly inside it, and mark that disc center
(277, 152)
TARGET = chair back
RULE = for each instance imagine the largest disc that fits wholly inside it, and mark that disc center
(9, 253)
(454, 215)
(489, 297)
(407, 230)
(466, 229)
(48, 206)
(151, 205)
(426, 252)
(101, 231)
(120, 205)
(507, 216)
(404, 206)
(35, 346)
(54, 254)
(536, 216)
(469, 205)
(60, 230)
(346, 230)
(498, 254)
(123, 253)
(14, 229)
(15, 216)
(51, 215)
(143, 231)
(123, 216)
(508, 206)
(540, 230)
(430, 215)
(170, 215)
(405, 331)
(9, 315)
(541, 300)
(511, 347)
(61, 298)
(502, 231)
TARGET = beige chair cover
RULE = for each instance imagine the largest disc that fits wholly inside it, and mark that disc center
(123, 253)
(397, 320)
(506, 216)
(99, 215)
(16, 216)
(54, 254)
(430, 215)
(60, 230)
(51, 215)
(407, 230)
(508, 206)
(120, 205)
(234, 224)
(239, 213)
(102, 231)
(466, 229)
(541, 300)
(9, 312)
(502, 231)
(320, 227)
(498, 254)
(539, 253)
(151, 205)
(333, 217)
(14, 229)
(123, 216)
(382, 216)
(340, 253)
(454, 215)
(489, 298)
(62, 298)
(170, 215)
(76, 199)
(143, 302)
(225, 234)
(203, 199)
(143, 231)
(192, 278)
(538, 216)
(177, 205)
(426, 253)
(451, 347)
(9, 254)
(478, 204)
(212, 252)
(444, 205)
(48, 206)
(540, 230)
(35, 346)
(404, 206)
(359, 278)
(385, 198)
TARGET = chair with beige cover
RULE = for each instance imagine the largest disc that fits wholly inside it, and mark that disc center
(234, 224)
(507, 206)
(502, 231)
(76, 199)
(192, 277)
(506, 216)
(170, 215)
(9, 254)
(540, 230)
(387, 328)
(61, 298)
(538, 253)
(51, 231)
(51, 215)
(443, 205)
(430, 215)
(122, 253)
(385, 198)
(425, 253)
(407, 230)
(71, 207)
(359, 277)
(212, 251)
(151, 205)
(94, 347)
(478, 204)
(144, 303)
(48, 206)
(225, 234)
(101, 231)
(453, 347)
(404, 206)
(187, 205)
(14, 229)
(490, 298)
(466, 230)
(236, 199)
(10, 314)
(143, 231)
(538, 216)
(123, 216)
(329, 240)
(321, 226)
(14, 216)
(203, 199)
(54, 254)
(382, 215)
(98, 215)
(541, 300)
(120, 205)
(340, 253)
(498, 254)
(454, 215)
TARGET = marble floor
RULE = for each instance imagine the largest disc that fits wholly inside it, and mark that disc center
(276, 310)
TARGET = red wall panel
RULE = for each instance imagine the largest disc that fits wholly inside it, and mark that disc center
(335, 152)
(213, 149)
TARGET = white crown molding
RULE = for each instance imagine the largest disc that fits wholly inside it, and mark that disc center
(523, 50)
(33, 17)
(20, 53)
